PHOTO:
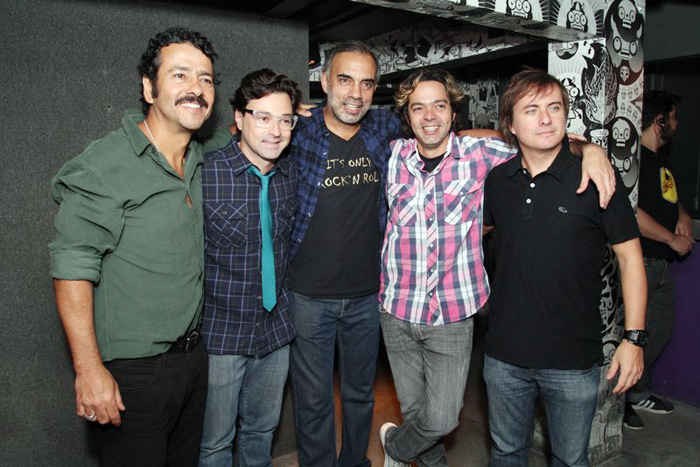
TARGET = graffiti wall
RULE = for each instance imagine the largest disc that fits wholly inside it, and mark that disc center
(532, 17)
(429, 43)
(605, 80)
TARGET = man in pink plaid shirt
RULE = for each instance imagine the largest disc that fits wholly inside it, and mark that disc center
(433, 278)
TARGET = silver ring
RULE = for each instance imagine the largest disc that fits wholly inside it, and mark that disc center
(91, 418)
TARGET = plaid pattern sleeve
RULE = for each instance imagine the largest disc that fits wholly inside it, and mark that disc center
(235, 322)
(309, 150)
(432, 262)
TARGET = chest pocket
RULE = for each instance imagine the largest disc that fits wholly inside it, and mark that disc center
(459, 201)
(284, 218)
(402, 204)
(225, 224)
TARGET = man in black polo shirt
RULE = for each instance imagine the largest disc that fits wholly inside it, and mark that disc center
(667, 233)
(544, 327)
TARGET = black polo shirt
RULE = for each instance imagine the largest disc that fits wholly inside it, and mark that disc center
(549, 246)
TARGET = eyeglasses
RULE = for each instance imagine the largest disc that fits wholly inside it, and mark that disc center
(264, 119)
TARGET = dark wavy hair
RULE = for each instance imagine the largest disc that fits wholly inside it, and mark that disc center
(260, 83)
(455, 93)
(150, 60)
(520, 85)
(658, 103)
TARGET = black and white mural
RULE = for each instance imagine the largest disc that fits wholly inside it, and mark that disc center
(429, 43)
(532, 17)
(604, 80)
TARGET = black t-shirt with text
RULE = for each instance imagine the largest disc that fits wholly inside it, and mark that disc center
(339, 257)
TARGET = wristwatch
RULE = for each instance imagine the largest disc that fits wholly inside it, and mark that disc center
(638, 338)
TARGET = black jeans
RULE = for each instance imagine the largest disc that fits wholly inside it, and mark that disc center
(164, 398)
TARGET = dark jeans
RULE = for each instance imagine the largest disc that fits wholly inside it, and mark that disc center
(350, 326)
(660, 321)
(164, 398)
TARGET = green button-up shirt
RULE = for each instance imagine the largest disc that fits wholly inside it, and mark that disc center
(125, 225)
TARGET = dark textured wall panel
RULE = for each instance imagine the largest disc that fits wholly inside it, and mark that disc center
(69, 70)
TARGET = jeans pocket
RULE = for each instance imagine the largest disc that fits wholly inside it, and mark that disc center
(134, 374)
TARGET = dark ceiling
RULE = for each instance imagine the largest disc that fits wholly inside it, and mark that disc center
(328, 20)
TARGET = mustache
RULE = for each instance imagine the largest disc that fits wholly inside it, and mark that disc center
(196, 99)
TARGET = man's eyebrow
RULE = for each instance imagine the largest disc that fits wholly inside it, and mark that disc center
(445, 101)
(179, 68)
(346, 76)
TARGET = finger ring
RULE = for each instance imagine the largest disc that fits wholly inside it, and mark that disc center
(91, 418)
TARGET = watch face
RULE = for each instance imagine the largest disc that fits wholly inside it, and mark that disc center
(640, 338)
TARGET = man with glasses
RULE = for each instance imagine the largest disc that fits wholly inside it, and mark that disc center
(249, 195)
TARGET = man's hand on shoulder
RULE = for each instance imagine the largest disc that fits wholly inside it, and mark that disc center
(304, 110)
(596, 167)
(628, 361)
(96, 392)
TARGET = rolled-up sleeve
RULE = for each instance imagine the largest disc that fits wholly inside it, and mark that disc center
(89, 223)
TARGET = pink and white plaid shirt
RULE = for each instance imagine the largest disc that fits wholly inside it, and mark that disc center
(432, 261)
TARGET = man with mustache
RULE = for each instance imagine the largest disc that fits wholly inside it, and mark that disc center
(249, 193)
(667, 234)
(128, 266)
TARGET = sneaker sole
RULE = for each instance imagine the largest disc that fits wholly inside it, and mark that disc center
(650, 410)
(633, 427)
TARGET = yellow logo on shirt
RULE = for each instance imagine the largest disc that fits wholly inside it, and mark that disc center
(668, 186)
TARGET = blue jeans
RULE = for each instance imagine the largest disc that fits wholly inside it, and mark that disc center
(247, 389)
(660, 321)
(570, 398)
(352, 326)
(430, 365)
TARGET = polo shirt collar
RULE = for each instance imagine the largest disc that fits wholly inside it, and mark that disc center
(557, 168)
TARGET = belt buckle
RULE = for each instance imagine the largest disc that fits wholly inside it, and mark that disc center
(191, 340)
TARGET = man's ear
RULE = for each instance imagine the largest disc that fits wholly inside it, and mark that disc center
(324, 82)
(238, 118)
(147, 89)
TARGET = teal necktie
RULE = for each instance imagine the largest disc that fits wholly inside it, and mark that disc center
(269, 285)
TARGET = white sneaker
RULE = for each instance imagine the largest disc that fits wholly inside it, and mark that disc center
(388, 461)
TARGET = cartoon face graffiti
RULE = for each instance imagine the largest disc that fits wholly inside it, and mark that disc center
(566, 50)
(624, 73)
(520, 8)
(574, 93)
(624, 144)
(627, 13)
(625, 28)
(576, 18)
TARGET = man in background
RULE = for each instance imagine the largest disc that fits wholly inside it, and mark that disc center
(667, 234)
